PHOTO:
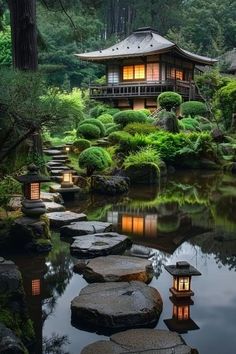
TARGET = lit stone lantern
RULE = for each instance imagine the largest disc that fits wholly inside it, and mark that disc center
(181, 321)
(182, 273)
(32, 205)
(67, 179)
(67, 149)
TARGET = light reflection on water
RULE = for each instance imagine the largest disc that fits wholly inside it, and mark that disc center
(191, 218)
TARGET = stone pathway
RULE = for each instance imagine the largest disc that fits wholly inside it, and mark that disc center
(144, 340)
(100, 244)
(84, 228)
(52, 207)
(62, 218)
(116, 268)
(116, 306)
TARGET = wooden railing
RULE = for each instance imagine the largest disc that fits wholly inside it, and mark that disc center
(144, 89)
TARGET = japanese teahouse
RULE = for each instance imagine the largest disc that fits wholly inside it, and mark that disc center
(143, 65)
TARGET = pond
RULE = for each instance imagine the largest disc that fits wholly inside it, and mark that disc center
(190, 217)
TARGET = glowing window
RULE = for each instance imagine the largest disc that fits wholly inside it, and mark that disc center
(184, 284)
(127, 223)
(113, 75)
(36, 287)
(128, 72)
(34, 191)
(139, 71)
(179, 74)
(138, 225)
(153, 72)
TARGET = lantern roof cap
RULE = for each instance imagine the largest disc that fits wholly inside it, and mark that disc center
(33, 175)
(182, 269)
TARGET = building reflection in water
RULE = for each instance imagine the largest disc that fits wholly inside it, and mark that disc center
(181, 321)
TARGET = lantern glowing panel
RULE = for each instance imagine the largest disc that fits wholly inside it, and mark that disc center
(67, 177)
(34, 191)
(36, 287)
(67, 149)
(181, 312)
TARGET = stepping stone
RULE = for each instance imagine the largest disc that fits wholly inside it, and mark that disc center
(51, 197)
(116, 306)
(61, 218)
(60, 157)
(142, 340)
(56, 172)
(85, 228)
(140, 251)
(100, 244)
(59, 167)
(117, 268)
(53, 164)
(62, 161)
(52, 152)
(51, 207)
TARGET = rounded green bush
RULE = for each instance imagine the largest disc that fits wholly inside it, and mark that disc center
(95, 122)
(112, 111)
(94, 159)
(82, 144)
(113, 128)
(97, 110)
(129, 116)
(169, 100)
(88, 131)
(105, 118)
(145, 111)
(140, 128)
(118, 136)
(193, 108)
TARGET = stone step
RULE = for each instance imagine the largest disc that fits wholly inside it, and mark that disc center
(53, 163)
(59, 219)
(52, 206)
(85, 228)
(61, 161)
(59, 167)
(52, 152)
(60, 157)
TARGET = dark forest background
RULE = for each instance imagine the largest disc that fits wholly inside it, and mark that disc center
(66, 27)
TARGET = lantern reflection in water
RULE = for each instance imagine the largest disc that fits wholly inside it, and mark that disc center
(132, 224)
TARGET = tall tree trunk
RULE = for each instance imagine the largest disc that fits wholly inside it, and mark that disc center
(24, 34)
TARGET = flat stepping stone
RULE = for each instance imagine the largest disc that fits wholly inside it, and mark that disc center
(143, 340)
(52, 152)
(60, 157)
(100, 244)
(53, 164)
(51, 207)
(117, 268)
(116, 306)
(85, 228)
(51, 197)
(140, 251)
(61, 218)
(56, 172)
(59, 167)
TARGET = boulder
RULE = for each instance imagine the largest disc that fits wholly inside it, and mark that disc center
(168, 121)
(51, 197)
(117, 268)
(110, 185)
(143, 340)
(85, 228)
(145, 173)
(10, 277)
(119, 306)
(100, 244)
(9, 343)
(140, 251)
(15, 203)
(61, 218)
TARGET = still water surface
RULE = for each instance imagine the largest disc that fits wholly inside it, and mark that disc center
(191, 217)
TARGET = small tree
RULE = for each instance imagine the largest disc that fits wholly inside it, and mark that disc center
(94, 159)
(169, 100)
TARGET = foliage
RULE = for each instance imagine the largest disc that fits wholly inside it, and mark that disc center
(189, 123)
(210, 82)
(112, 128)
(118, 136)
(226, 97)
(129, 116)
(144, 155)
(105, 118)
(5, 47)
(145, 111)
(98, 110)
(134, 143)
(95, 122)
(88, 131)
(94, 159)
(193, 108)
(8, 187)
(82, 144)
(140, 128)
(169, 100)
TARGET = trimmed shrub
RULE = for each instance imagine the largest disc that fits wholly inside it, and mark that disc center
(97, 110)
(118, 136)
(105, 118)
(88, 131)
(134, 143)
(112, 111)
(113, 128)
(129, 116)
(190, 124)
(145, 111)
(150, 120)
(94, 122)
(193, 108)
(140, 128)
(82, 144)
(169, 100)
(94, 159)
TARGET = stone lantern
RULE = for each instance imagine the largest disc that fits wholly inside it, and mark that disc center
(182, 273)
(32, 205)
(67, 179)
